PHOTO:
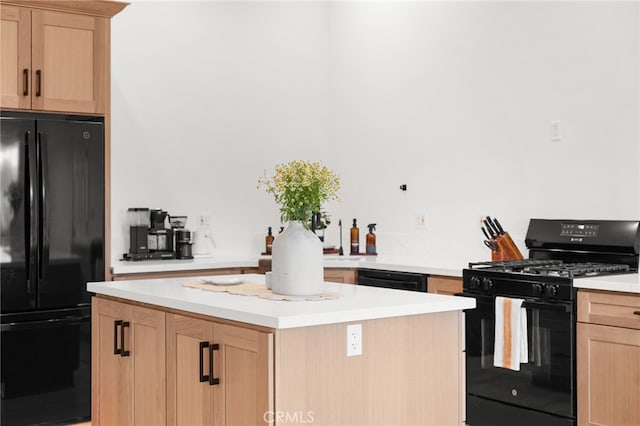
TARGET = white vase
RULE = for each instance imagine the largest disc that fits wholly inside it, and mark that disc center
(296, 262)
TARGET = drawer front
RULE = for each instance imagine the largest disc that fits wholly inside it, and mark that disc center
(616, 309)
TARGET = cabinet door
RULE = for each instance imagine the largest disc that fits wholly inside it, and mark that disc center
(444, 285)
(112, 396)
(344, 276)
(15, 51)
(245, 394)
(190, 394)
(608, 367)
(147, 353)
(69, 62)
(130, 387)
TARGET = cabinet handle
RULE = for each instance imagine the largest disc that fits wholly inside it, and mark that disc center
(636, 312)
(38, 82)
(25, 82)
(212, 380)
(125, 324)
(116, 324)
(203, 378)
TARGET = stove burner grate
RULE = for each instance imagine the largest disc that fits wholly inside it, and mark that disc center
(555, 268)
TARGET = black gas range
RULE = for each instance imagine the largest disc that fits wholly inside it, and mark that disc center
(543, 391)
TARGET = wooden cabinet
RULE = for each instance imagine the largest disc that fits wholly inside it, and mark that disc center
(444, 285)
(128, 352)
(608, 358)
(341, 275)
(194, 372)
(217, 373)
(53, 61)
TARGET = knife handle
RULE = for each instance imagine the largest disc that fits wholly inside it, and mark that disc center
(492, 233)
(484, 231)
(498, 226)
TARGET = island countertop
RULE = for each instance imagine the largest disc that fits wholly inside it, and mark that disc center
(356, 303)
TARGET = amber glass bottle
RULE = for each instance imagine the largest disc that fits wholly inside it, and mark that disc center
(355, 238)
(269, 241)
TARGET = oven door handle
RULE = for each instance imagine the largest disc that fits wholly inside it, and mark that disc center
(566, 307)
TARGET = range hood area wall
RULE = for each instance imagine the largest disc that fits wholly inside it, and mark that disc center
(454, 99)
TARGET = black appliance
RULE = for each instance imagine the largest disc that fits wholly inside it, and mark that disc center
(544, 390)
(51, 244)
(390, 279)
(148, 237)
(183, 243)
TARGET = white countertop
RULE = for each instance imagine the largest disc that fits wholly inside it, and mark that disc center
(356, 303)
(145, 266)
(417, 264)
(629, 283)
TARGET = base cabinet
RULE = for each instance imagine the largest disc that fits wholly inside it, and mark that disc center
(608, 359)
(217, 374)
(128, 364)
(444, 285)
(152, 367)
(341, 275)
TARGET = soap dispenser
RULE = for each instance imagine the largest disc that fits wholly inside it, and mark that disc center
(371, 239)
(355, 239)
(268, 241)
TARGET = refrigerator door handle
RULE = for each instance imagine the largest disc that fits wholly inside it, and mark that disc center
(31, 234)
(43, 169)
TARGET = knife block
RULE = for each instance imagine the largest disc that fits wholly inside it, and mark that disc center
(507, 249)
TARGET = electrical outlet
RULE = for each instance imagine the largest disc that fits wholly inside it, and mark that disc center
(421, 220)
(556, 131)
(204, 220)
(354, 340)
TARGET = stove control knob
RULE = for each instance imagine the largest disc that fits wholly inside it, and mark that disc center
(552, 290)
(487, 283)
(474, 283)
(538, 289)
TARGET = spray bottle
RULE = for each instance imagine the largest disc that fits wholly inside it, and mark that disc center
(371, 239)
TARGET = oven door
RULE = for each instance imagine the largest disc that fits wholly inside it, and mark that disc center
(547, 382)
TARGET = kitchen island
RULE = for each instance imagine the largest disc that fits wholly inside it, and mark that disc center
(217, 358)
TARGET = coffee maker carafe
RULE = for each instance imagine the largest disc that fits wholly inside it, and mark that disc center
(160, 239)
(183, 237)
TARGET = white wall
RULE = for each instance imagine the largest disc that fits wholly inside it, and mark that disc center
(205, 97)
(453, 99)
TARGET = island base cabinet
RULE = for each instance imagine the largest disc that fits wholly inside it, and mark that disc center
(218, 374)
(608, 366)
(411, 372)
(128, 364)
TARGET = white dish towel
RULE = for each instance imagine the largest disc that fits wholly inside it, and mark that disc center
(511, 347)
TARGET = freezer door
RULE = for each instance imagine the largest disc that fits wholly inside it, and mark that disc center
(72, 210)
(46, 367)
(18, 231)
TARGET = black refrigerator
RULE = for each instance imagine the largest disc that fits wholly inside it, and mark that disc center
(52, 243)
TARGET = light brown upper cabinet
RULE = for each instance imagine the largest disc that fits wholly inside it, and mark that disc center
(53, 60)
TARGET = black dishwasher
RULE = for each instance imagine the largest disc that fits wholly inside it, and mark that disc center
(392, 279)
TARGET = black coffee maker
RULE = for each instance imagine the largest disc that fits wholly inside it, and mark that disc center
(148, 237)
